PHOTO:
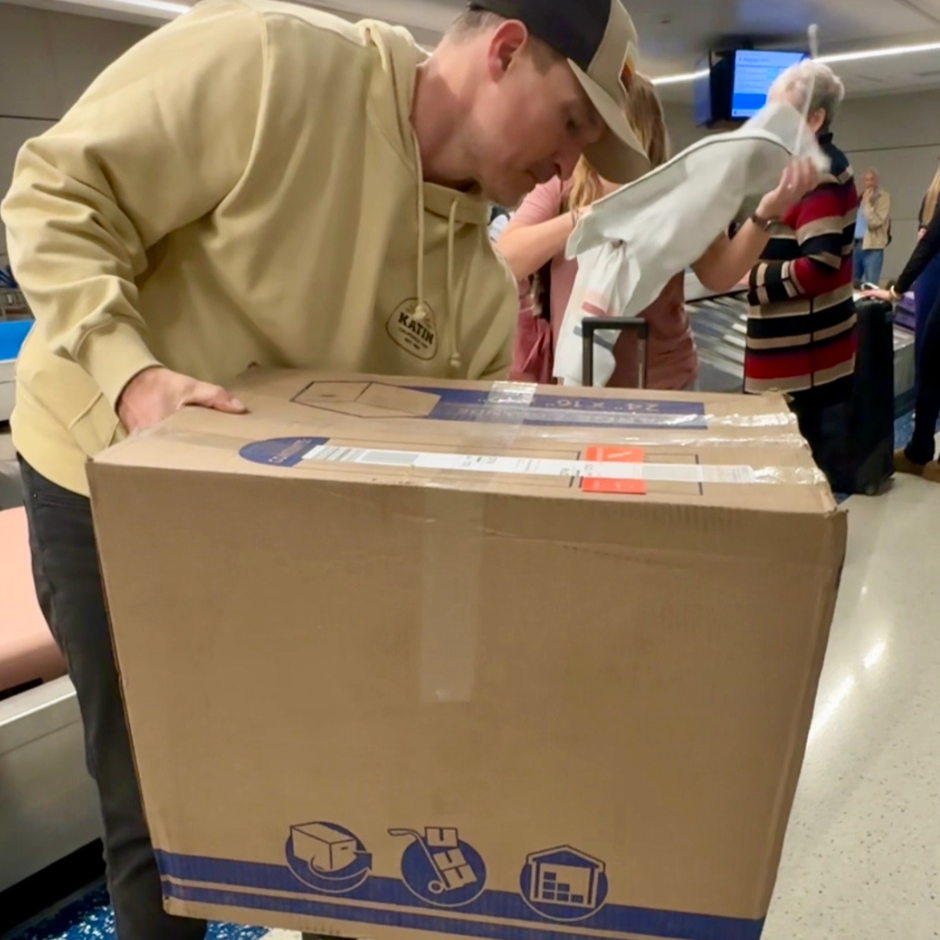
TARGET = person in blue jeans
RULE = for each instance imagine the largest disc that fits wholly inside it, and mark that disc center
(918, 458)
(872, 230)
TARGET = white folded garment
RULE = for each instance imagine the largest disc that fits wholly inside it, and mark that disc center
(637, 239)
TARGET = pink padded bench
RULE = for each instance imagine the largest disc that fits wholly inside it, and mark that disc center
(28, 654)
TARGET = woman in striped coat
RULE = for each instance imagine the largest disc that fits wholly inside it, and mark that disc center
(801, 336)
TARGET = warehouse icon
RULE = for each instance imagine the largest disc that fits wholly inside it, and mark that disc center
(564, 883)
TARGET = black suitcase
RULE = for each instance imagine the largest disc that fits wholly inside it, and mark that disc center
(873, 412)
(589, 328)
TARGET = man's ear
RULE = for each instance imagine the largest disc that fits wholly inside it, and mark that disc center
(506, 45)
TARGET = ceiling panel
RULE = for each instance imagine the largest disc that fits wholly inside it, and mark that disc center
(676, 34)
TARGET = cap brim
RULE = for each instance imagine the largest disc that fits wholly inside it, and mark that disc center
(618, 156)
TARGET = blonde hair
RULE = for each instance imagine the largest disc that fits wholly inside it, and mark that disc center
(930, 203)
(644, 111)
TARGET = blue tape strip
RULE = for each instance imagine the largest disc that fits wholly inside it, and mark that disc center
(551, 410)
(412, 914)
(469, 405)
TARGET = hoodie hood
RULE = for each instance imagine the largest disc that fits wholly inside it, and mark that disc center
(400, 59)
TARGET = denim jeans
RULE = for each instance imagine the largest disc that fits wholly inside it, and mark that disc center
(68, 585)
(868, 264)
(926, 295)
(922, 448)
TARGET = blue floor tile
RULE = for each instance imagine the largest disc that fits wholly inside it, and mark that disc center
(91, 919)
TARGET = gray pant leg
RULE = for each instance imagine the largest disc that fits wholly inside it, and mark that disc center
(68, 584)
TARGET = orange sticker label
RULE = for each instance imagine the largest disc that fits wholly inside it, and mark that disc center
(614, 455)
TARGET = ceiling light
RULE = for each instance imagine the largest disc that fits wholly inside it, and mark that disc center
(680, 79)
(159, 5)
(154, 6)
(834, 59)
(879, 53)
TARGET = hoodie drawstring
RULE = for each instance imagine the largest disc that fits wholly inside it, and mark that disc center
(453, 311)
(421, 310)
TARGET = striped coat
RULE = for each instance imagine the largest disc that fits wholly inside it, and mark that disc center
(801, 332)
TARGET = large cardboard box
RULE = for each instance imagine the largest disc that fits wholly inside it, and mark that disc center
(470, 660)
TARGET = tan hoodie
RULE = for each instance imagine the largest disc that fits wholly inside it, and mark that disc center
(242, 188)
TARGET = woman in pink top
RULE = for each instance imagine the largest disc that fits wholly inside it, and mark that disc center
(539, 231)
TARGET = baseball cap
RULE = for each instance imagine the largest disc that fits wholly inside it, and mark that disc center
(599, 40)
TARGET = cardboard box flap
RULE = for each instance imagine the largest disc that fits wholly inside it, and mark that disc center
(574, 444)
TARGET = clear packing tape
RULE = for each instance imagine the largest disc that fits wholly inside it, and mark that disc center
(496, 461)
(517, 420)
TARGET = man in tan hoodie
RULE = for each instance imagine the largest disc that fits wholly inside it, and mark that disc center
(261, 183)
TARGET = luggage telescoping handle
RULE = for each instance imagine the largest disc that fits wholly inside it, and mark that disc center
(590, 326)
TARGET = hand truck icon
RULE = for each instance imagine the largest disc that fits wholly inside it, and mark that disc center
(449, 866)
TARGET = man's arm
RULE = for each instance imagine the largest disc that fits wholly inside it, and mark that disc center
(158, 141)
(537, 231)
(927, 249)
(877, 211)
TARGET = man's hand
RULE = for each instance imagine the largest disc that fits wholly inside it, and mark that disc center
(799, 178)
(921, 232)
(157, 393)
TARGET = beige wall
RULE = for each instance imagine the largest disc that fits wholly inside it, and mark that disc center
(48, 60)
(897, 134)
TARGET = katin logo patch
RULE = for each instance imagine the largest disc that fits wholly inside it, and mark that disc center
(414, 331)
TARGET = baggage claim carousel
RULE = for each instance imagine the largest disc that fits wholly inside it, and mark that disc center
(719, 322)
(50, 810)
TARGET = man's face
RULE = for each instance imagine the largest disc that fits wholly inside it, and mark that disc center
(532, 124)
(871, 181)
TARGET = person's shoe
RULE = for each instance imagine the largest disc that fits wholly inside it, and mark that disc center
(932, 472)
(904, 464)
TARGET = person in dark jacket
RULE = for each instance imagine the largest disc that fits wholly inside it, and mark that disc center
(918, 458)
(927, 288)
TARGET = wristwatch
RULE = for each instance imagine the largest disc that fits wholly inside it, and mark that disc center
(765, 225)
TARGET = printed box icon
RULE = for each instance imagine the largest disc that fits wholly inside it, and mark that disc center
(441, 838)
(454, 869)
(326, 849)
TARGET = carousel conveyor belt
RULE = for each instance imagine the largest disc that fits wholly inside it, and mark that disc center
(719, 324)
(49, 805)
